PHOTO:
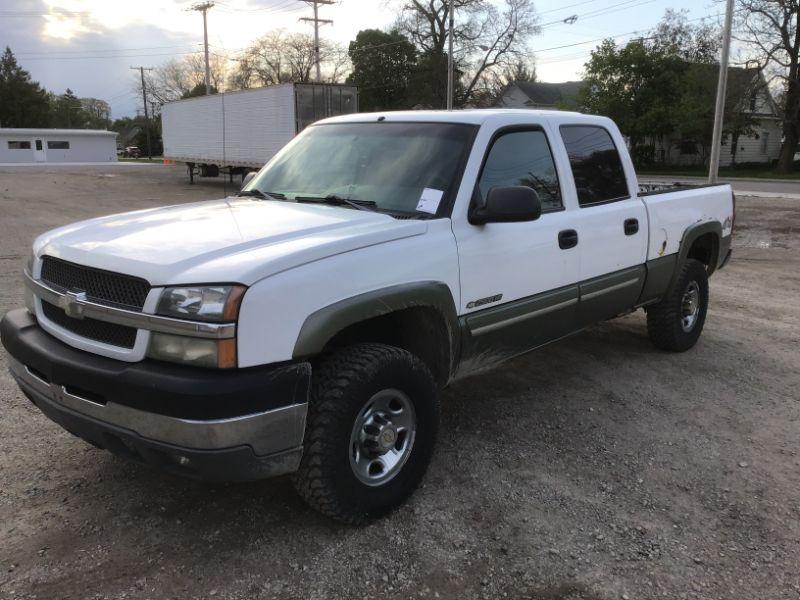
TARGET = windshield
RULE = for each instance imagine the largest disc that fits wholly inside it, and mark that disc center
(401, 167)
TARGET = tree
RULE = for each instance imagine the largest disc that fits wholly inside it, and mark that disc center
(23, 103)
(177, 78)
(97, 113)
(281, 57)
(66, 111)
(383, 65)
(638, 86)
(770, 29)
(697, 103)
(199, 90)
(674, 35)
(664, 85)
(487, 39)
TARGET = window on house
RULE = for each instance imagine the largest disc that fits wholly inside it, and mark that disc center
(19, 145)
(596, 165)
(764, 141)
(56, 145)
(522, 158)
(753, 100)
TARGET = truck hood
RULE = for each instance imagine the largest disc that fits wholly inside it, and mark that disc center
(237, 240)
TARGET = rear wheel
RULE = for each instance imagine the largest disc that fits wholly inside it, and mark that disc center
(675, 323)
(370, 433)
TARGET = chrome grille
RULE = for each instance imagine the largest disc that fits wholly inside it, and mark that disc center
(100, 286)
(92, 329)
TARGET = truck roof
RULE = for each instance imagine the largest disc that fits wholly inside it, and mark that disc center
(474, 116)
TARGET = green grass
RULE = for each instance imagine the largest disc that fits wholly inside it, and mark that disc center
(743, 172)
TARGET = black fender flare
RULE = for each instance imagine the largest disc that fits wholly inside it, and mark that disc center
(322, 325)
(692, 233)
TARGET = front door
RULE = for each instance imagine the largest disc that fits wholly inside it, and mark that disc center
(39, 152)
(519, 287)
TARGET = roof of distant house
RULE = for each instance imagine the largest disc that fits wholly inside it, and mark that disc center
(549, 94)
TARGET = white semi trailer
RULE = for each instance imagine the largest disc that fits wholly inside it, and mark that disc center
(237, 132)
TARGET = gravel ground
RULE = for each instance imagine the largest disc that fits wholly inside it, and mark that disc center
(597, 468)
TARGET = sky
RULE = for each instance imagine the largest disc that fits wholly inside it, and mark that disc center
(90, 45)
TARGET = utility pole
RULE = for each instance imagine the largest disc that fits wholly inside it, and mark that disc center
(450, 61)
(719, 110)
(316, 20)
(203, 8)
(146, 116)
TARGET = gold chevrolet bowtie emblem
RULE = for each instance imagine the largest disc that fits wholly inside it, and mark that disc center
(72, 303)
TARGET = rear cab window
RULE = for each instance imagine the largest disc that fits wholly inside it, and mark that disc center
(596, 164)
(522, 157)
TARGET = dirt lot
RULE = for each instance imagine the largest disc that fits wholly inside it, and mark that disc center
(598, 468)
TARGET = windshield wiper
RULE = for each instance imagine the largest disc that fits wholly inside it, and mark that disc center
(335, 200)
(255, 192)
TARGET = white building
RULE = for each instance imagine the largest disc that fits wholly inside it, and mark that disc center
(57, 146)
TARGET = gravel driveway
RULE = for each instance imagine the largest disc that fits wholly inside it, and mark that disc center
(596, 468)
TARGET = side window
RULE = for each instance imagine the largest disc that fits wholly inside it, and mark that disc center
(595, 163)
(522, 158)
(19, 145)
(56, 145)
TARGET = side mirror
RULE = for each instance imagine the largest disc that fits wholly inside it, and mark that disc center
(512, 204)
(247, 179)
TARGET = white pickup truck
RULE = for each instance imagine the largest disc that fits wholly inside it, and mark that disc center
(307, 325)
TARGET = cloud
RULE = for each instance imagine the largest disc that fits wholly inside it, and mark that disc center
(89, 45)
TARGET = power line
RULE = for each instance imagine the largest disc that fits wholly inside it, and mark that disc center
(109, 56)
(95, 50)
(316, 20)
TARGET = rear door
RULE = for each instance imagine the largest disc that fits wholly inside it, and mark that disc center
(519, 287)
(611, 224)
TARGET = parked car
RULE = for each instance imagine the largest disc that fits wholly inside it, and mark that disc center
(308, 325)
(132, 152)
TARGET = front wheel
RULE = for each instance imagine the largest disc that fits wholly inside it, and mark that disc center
(371, 428)
(676, 322)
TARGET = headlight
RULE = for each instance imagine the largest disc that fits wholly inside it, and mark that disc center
(199, 352)
(219, 303)
(215, 303)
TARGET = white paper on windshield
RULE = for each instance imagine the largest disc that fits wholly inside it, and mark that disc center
(429, 200)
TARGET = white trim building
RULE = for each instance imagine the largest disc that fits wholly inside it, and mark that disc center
(57, 146)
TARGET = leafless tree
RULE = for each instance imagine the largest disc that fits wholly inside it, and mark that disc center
(98, 112)
(771, 31)
(488, 38)
(280, 57)
(177, 77)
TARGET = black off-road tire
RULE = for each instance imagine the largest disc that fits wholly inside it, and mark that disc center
(665, 319)
(342, 384)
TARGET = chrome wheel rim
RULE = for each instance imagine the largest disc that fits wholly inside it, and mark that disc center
(690, 306)
(382, 437)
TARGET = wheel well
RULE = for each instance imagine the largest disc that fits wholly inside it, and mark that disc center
(705, 249)
(423, 331)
